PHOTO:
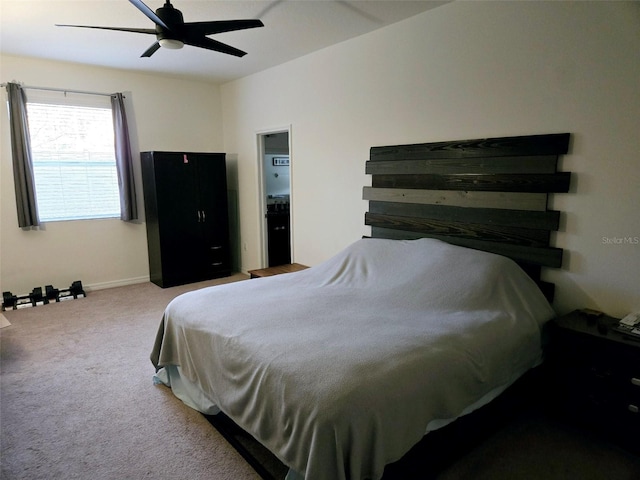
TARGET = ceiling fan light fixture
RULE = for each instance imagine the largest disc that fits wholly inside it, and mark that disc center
(171, 43)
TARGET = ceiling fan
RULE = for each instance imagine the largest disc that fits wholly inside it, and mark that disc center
(172, 32)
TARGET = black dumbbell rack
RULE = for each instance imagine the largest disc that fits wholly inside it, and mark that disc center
(36, 297)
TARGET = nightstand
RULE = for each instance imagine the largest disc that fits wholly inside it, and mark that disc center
(280, 269)
(595, 372)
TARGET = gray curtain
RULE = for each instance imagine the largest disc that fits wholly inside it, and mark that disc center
(22, 162)
(124, 160)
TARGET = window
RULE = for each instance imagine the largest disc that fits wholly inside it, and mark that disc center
(73, 156)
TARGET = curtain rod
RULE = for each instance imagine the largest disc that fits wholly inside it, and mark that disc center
(64, 90)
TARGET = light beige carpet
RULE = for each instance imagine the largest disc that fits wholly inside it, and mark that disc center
(77, 402)
(77, 399)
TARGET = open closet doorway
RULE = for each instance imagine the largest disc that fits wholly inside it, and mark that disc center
(275, 168)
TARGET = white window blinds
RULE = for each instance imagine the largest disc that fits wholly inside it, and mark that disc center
(73, 156)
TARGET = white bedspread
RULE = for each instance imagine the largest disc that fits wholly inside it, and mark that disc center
(339, 369)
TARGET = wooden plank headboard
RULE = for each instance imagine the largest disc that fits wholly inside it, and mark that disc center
(489, 194)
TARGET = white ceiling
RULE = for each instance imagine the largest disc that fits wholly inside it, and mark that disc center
(293, 28)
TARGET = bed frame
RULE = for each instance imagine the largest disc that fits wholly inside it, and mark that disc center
(490, 194)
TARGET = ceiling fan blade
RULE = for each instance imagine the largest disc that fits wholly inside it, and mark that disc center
(151, 15)
(151, 50)
(135, 30)
(209, 28)
(210, 44)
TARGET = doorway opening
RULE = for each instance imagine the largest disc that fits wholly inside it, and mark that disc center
(275, 169)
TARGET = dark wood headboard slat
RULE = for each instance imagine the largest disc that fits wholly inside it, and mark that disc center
(545, 256)
(489, 194)
(444, 166)
(531, 182)
(459, 198)
(496, 233)
(547, 220)
(552, 144)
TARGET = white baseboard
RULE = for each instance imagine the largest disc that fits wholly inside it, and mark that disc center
(115, 283)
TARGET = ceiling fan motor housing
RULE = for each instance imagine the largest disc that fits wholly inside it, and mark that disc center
(172, 19)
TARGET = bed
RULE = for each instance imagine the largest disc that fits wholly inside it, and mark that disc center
(341, 368)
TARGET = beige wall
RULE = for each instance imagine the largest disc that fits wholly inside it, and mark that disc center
(463, 70)
(164, 114)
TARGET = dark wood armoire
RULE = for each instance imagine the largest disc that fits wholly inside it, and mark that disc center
(185, 198)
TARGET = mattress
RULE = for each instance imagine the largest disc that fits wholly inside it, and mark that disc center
(340, 369)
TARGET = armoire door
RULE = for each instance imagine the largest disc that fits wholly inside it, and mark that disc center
(214, 256)
(178, 217)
